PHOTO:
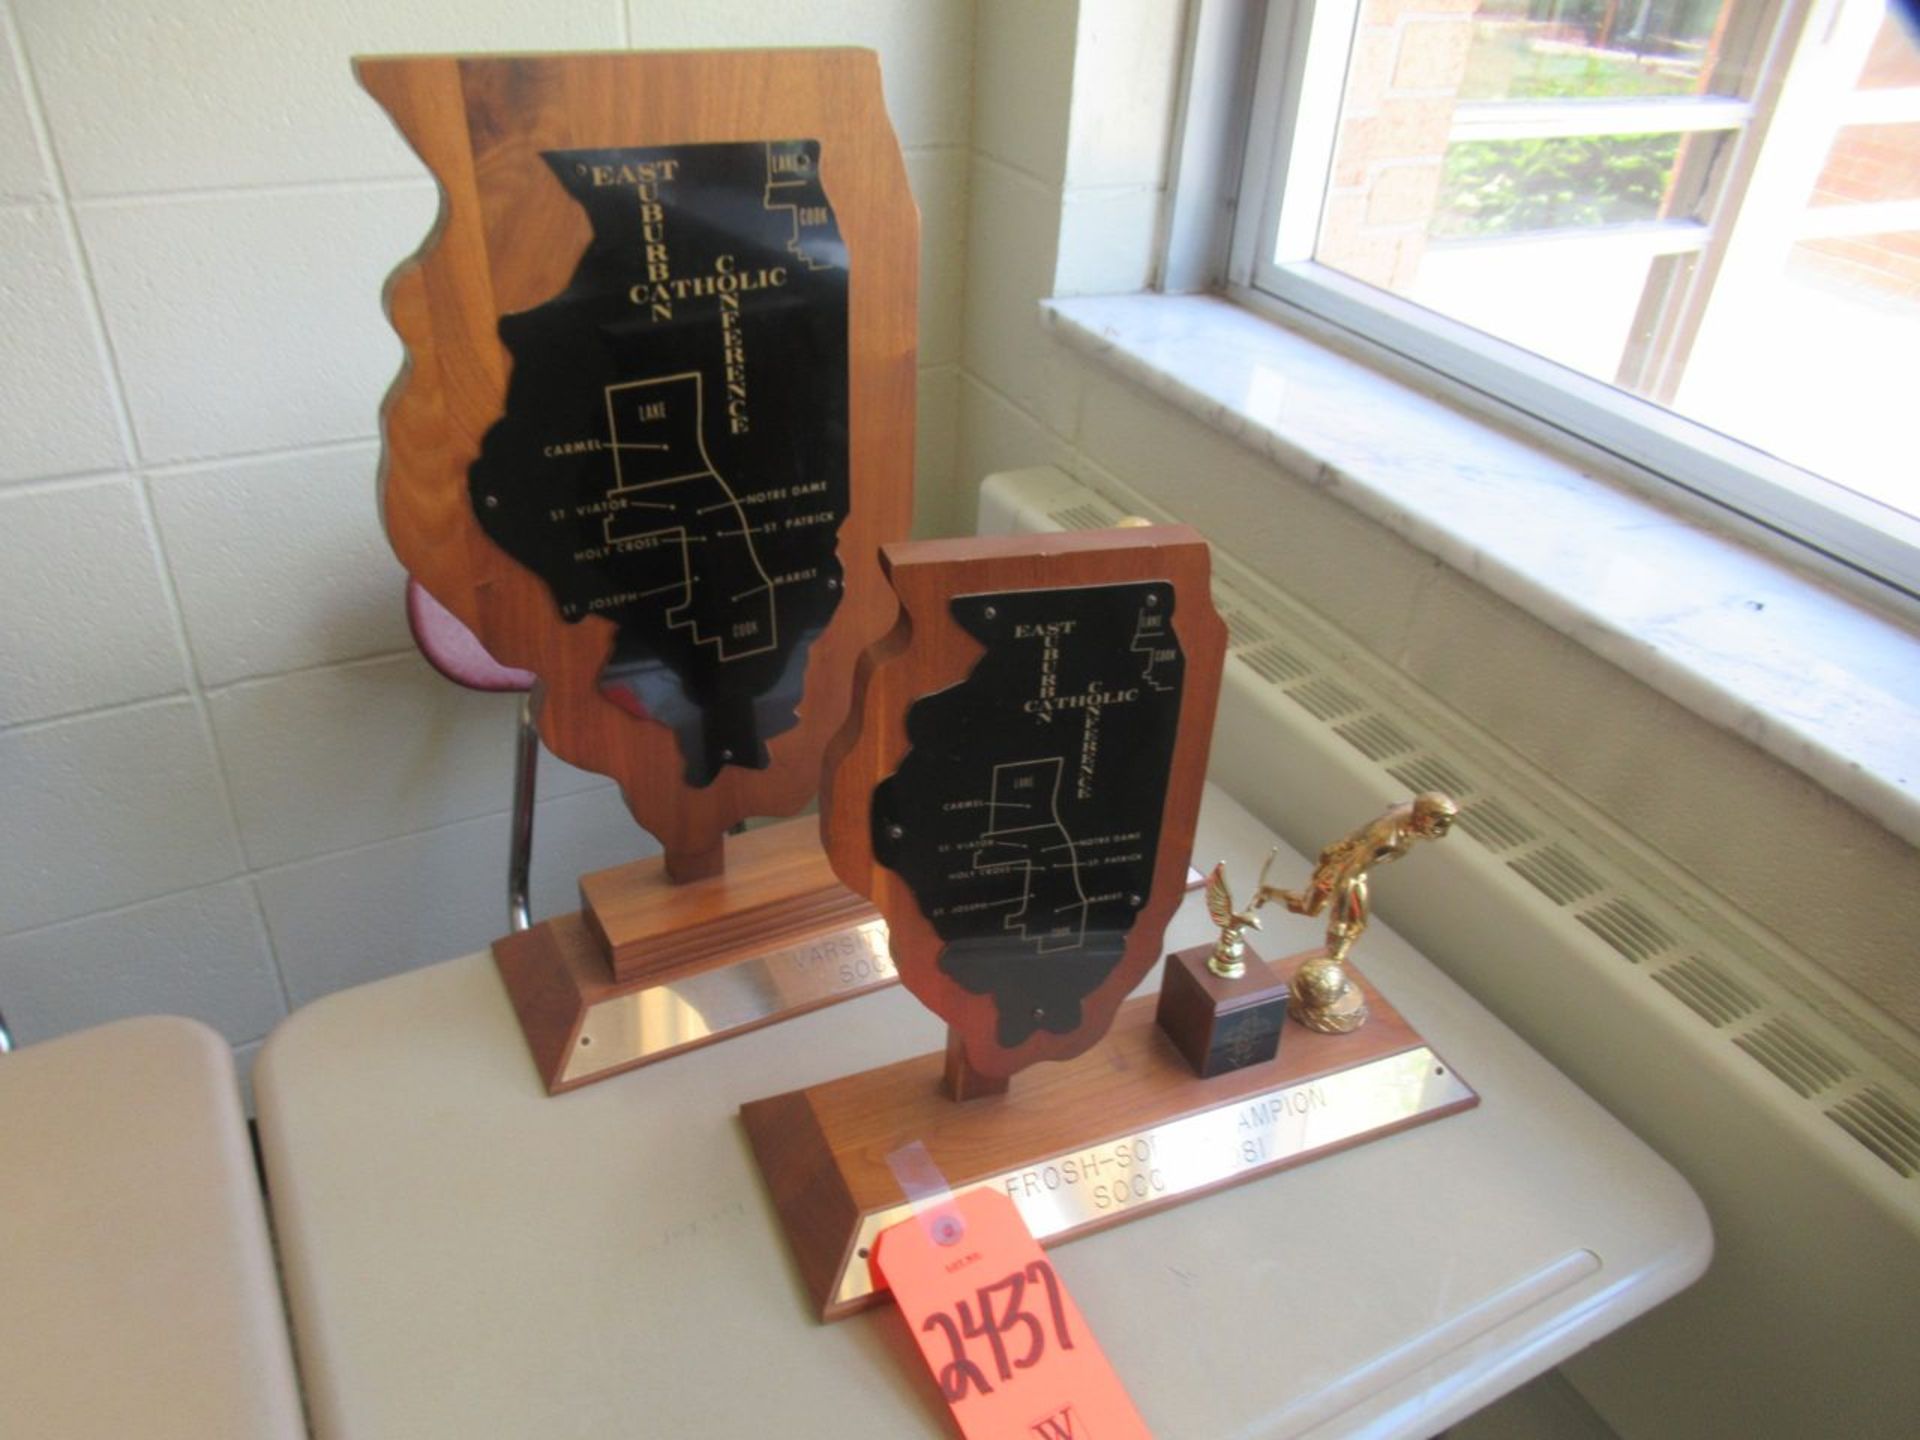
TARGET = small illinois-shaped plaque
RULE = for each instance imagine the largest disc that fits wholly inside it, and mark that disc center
(1016, 817)
(1020, 798)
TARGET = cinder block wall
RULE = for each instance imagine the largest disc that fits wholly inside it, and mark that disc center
(227, 784)
(1409, 59)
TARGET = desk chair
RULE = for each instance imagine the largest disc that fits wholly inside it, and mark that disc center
(454, 650)
(140, 1296)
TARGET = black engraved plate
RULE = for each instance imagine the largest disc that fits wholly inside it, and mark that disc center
(1247, 1037)
(673, 455)
(1026, 815)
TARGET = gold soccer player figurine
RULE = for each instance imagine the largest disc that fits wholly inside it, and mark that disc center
(1324, 998)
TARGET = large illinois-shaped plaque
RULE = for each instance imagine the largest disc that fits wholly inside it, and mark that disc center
(659, 412)
(1019, 795)
(673, 456)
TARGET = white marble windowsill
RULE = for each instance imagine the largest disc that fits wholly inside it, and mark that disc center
(1819, 682)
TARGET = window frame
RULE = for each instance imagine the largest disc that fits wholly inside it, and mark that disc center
(1261, 105)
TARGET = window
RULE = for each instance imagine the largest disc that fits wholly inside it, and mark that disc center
(1685, 230)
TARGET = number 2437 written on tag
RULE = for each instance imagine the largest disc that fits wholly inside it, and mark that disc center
(1011, 1352)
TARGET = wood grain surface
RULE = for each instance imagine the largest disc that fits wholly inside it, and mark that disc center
(928, 651)
(508, 239)
(777, 882)
(824, 1150)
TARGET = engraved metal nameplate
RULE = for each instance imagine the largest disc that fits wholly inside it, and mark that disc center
(1062, 1194)
(649, 1024)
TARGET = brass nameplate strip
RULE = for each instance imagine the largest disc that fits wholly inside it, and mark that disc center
(647, 1024)
(1060, 1194)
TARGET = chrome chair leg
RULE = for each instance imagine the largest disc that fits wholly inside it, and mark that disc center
(526, 766)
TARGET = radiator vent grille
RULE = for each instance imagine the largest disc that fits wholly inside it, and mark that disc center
(1085, 517)
(1279, 646)
(1885, 1126)
(1275, 664)
(1243, 630)
(1794, 1056)
(1423, 772)
(1492, 824)
(1374, 738)
(1707, 990)
(1325, 700)
(1556, 874)
(1627, 928)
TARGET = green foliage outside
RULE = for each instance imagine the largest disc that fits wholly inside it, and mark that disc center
(1506, 65)
(1503, 187)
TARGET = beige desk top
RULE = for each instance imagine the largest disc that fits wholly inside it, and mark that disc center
(465, 1257)
(137, 1290)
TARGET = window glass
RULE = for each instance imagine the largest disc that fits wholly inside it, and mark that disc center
(1711, 204)
(1507, 187)
(1587, 49)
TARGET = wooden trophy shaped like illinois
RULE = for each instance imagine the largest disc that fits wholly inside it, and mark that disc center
(657, 419)
(1017, 792)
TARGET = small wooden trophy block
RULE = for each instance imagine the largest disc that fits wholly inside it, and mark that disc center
(1221, 1023)
(779, 883)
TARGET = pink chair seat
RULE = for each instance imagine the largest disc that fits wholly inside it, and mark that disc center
(454, 650)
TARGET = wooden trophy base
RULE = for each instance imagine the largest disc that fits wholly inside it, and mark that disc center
(1120, 1131)
(649, 968)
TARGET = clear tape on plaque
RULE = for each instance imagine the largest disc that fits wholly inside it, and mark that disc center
(928, 1192)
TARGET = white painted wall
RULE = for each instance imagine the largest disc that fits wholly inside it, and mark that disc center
(227, 783)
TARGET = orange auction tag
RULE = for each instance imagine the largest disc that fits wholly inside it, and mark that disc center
(1001, 1334)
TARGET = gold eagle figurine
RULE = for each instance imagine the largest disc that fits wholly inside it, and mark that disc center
(1228, 960)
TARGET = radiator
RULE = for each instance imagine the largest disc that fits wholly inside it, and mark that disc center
(1794, 1113)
